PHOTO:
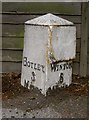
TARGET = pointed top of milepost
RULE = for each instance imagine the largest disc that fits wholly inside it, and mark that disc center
(49, 19)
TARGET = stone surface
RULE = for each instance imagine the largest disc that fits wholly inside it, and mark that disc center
(49, 19)
(48, 51)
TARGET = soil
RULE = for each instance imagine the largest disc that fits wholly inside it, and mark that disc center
(70, 102)
(11, 86)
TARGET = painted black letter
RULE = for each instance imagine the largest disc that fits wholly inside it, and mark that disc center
(53, 67)
(25, 61)
(26, 84)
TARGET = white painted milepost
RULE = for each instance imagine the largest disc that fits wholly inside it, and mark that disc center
(49, 48)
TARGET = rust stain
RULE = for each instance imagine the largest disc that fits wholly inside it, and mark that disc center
(50, 58)
(47, 59)
(50, 39)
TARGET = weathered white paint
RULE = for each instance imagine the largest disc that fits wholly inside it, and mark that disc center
(49, 19)
(48, 39)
